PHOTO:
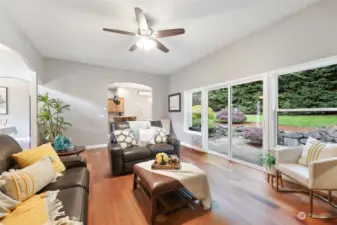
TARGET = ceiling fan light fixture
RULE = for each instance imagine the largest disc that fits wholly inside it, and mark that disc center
(146, 43)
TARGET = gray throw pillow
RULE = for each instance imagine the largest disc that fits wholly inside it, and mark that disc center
(125, 138)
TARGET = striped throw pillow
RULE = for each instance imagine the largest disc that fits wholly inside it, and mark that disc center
(314, 151)
(22, 184)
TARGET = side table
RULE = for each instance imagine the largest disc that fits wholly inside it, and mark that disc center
(76, 151)
(271, 175)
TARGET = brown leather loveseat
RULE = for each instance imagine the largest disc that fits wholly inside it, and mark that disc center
(73, 185)
(123, 160)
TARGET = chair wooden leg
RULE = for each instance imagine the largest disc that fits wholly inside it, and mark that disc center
(272, 180)
(311, 194)
(281, 181)
(154, 209)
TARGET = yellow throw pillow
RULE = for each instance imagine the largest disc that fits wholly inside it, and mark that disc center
(29, 157)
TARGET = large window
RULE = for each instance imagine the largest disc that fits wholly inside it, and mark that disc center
(194, 111)
(242, 119)
(307, 106)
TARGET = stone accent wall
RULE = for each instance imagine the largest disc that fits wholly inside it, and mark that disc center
(286, 138)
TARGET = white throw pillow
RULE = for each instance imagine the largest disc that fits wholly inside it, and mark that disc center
(315, 150)
(24, 183)
(146, 137)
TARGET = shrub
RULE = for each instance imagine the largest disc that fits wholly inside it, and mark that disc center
(196, 117)
(238, 116)
(254, 134)
(196, 112)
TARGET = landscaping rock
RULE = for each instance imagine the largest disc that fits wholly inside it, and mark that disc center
(296, 135)
(303, 140)
(291, 142)
(316, 135)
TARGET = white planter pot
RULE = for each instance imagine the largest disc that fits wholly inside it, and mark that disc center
(271, 170)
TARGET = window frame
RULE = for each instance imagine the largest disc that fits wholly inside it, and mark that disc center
(286, 71)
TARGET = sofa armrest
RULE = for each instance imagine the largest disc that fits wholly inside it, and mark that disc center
(115, 153)
(74, 161)
(288, 155)
(176, 145)
(322, 174)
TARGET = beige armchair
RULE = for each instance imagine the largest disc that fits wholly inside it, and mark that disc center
(318, 176)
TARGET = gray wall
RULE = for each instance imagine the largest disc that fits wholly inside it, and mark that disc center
(18, 92)
(306, 36)
(85, 88)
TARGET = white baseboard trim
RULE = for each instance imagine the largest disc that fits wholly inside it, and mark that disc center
(192, 146)
(88, 147)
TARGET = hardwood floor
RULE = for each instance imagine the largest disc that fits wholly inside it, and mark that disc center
(241, 194)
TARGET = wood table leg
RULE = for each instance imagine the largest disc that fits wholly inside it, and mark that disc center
(281, 180)
(154, 209)
(134, 181)
(277, 175)
(272, 180)
(268, 178)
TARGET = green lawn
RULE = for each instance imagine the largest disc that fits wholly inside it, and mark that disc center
(302, 120)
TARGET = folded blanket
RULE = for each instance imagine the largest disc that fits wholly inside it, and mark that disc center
(191, 177)
(42, 209)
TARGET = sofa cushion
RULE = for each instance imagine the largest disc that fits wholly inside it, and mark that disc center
(75, 177)
(136, 125)
(158, 148)
(295, 171)
(135, 153)
(75, 203)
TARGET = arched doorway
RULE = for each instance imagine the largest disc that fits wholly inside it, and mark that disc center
(18, 91)
(135, 101)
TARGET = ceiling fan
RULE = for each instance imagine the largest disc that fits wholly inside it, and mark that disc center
(148, 35)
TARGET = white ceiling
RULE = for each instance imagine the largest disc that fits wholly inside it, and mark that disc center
(72, 29)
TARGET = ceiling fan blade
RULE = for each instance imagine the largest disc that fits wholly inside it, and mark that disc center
(141, 19)
(161, 47)
(133, 47)
(120, 32)
(169, 33)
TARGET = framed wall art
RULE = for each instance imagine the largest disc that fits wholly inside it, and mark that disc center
(3, 101)
(174, 102)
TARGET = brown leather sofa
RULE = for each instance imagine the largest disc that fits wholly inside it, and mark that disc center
(122, 160)
(73, 185)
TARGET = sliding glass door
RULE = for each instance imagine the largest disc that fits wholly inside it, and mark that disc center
(235, 121)
(247, 122)
(218, 140)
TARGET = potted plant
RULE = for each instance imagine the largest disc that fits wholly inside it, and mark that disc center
(269, 162)
(50, 119)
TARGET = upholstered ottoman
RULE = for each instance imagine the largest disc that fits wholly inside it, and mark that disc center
(158, 187)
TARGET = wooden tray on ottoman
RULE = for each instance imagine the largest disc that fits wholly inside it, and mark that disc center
(168, 166)
(156, 166)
